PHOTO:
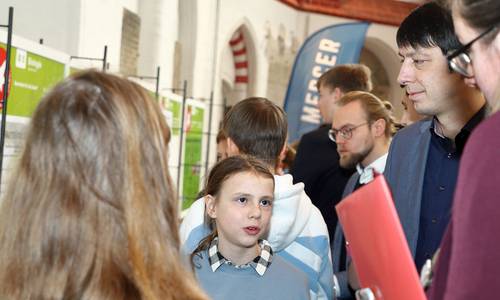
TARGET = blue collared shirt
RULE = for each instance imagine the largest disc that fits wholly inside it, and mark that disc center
(439, 185)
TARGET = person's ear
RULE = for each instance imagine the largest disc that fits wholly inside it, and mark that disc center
(338, 93)
(283, 151)
(210, 206)
(378, 127)
(232, 149)
(470, 81)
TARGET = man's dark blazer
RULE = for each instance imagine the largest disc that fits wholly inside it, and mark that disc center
(405, 171)
(337, 244)
(317, 166)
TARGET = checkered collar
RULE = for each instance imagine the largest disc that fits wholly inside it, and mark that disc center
(259, 263)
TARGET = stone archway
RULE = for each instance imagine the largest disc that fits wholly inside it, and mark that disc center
(384, 63)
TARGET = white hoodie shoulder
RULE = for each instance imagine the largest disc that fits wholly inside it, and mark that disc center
(291, 212)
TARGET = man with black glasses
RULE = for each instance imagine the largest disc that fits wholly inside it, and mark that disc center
(362, 127)
(423, 160)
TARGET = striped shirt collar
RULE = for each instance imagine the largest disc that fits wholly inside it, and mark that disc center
(259, 263)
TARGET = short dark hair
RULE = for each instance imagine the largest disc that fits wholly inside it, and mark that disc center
(258, 127)
(427, 26)
(347, 77)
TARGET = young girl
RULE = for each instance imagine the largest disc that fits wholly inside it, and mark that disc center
(90, 212)
(234, 262)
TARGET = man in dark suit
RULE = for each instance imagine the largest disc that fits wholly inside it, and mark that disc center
(317, 161)
(422, 165)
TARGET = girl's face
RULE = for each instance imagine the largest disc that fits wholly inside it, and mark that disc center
(485, 57)
(242, 212)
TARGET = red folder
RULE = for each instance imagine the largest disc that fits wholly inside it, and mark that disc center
(377, 243)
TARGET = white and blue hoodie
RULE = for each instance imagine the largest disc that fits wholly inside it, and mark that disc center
(297, 233)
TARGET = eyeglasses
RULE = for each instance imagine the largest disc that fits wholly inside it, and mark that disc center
(345, 132)
(459, 60)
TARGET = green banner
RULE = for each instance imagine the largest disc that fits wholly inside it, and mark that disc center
(32, 76)
(192, 154)
(175, 107)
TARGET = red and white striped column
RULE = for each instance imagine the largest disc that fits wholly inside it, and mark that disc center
(239, 50)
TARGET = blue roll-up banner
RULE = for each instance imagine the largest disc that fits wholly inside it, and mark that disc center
(330, 46)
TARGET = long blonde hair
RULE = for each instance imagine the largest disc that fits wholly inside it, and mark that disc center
(90, 211)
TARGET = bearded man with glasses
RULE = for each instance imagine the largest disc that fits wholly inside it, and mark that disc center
(317, 162)
(422, 165)
(362, 127)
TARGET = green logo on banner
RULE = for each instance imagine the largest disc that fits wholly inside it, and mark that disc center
(32, 76)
